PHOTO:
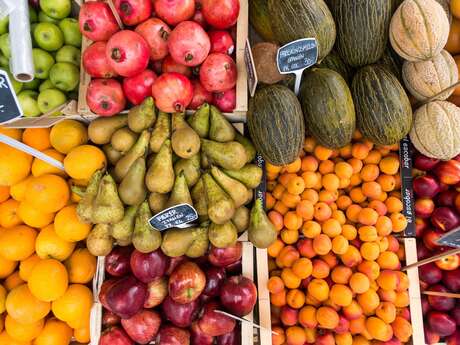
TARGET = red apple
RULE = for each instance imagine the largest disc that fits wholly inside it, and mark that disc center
(422, 251)
(424, 207)
(232, 338)
(181, 315)
(454, 339)
(445, 218)
(109, 318)
(143, 326)
(457, 203)
(106, 285)
(126, 297)
(441, 323)
(222, 257)
(214, 279)
(173, 263)
(186, 283)
(425, 305)
(157, 290)
(213, 323)
(447, 198)
(171, 335)
(234, 268)
(456, 314)
(117, 262)
(426, 186)
(448, 172)
(430, 273)
(238, 295)
(198, 337)
(448, 263)
(115, 336)
(148, 266)
(430, 237)
(424, 163)
(451, 279)
(431, 337)
(440, 303)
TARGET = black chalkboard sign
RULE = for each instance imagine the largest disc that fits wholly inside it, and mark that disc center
(451, 239)
(407, 191)
(9, 105)
(262, 187)
(174, 217)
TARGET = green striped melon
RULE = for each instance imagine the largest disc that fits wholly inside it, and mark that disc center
(260, 19)
(392, 62)
(334, 62)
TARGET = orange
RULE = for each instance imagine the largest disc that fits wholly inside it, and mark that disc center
(6, 266)
(50, 245)
(17, 243)
(69, 227)
(40, 167)
(82, 335)
(55, 332)
(14, 165)
(8, 214)
(33, 217)
(68, 134)
(13, 280)
(25, 307)
(78, 166)
(26, 266)
(23, 331)
(43, 273)
(74, 306)
(14, 133)
(81, 266)
(47, 193)
(5, 339)
(18, 190)
(38, 138)
(4, 193)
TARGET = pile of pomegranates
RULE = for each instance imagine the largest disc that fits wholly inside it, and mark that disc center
(174, 301)
(437, 207)
(183, 55)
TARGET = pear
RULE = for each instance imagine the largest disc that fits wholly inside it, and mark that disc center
(237, 191)
(142, 116)
(220, 128)
(78, 190)
(112, 155)
(101, 129)
(123, 139)
(222, 235)
(132, 189)
(177, 241)
(261, 231)
(199, 200)
(241, 218)
(250, 196)
(221, 207)
(191, 169)
(138, 150)
(157, 202)
(85, 206)
(231, 155)
(145, 238)
(99, 241)
(184, 140)
(199, 121)
(200, 245)
(204, 161)
(248, 146)
(250, 175)
(161, 131)
(123, 230)
(160, 175)
(107, 206)
(180, 193)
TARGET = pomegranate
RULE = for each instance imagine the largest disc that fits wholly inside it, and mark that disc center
(218, 73)
(173, 92)
(189, 44)
(139, 87)
(105, 97)
(225, 101)
(221, 14)
(127, 53)
(448, 172)
(221, 42)
(169, 65)
(174, 11)
(426, 186)
(199, 18)
(156, 33)
(95, 62)
(200, 95)
(133, 12)
(96, 20)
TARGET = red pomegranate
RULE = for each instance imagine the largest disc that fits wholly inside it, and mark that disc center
(218, 73)
(174, 11)
(133, 12)
(221, 14)
(173, 92)
(189, 44)
(139, 87)
(127, 53)
(96, 21)
(199, 18)
(225, 101)
(221, 42)
(169, 65)
(156, 33)
(200, 95)
(105, 97)
(95, 62)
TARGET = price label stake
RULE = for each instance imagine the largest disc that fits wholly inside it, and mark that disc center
(178, 216)
(9, 105)
(297, 56)
(450, 239)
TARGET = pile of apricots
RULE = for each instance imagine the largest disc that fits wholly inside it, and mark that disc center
(335, 268)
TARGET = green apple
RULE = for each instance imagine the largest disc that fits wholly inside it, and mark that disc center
(43, 61)
(31, 85)
(4, 25)
(28, 101)
(69, 54)
(17, 86)
(5, 47)
(47, 84)
(4, 61)
(32, 29)
(43, 18)
(71, 31)
(65, 76)
(48, 36)
(57, 9)
(33, 16)
(50, 99)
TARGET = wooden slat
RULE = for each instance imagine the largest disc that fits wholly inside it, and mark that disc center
(264, 296)
(242, 31)
(247, 337)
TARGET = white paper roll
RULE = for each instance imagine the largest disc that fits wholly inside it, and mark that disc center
(21, 62)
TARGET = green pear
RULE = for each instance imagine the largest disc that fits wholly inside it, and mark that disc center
(145, 238)
(241, 218)
(123, 230)
(261, 231)
(198, 194)
(223, 235)
(200, 245)
(4, 22)
(138, 150)
(112, 155)
(237, 191)
(107, 206)
(99, 241)
(220, 128)
(161, 131)
(199, 121)
(157, 202)
(132, 189)
(184, 140)
(204, 162)
(85, 206)
(177, 241)
(123, 139)
(142, 116)
(231, 155)
(160, 175)
(190, 168)
(180, 193)
(250, 175)
(100, 130)
(221, 207)
(248, 146)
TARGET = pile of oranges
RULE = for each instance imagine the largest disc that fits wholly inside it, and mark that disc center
(45, 270)
(334, 269)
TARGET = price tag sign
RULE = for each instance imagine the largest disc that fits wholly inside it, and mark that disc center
(407, 191)
(251, 68)
(451, 239)
(261, 189)
(9, 105)
(297, 56)
(179, 216)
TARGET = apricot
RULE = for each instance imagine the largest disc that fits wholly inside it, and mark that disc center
(358, 325)
(327, 317)
(331, 259)
(311, 229)
(288, 316)
(402, 299)
(331, 228)
(307, 317)
(369, 301)
(302, 268)
(295, 298)
(388, 280)
(389, 260)
(290, 279)
(383, 244)
(386, 311)
(320, 269)
(322, 244)
(402, 329)
(360, 340)
(310, 300)
(341, 274)
(349, 232)
(295, 336)
(370, 251)
(287, 256)
(393, 244)
(344, 339)
(369, 268)
(403, 281)
(352, 257)
(387, 295)
(278, 299)
(319, 289)
(341, 295)
(275, 285)
(325, 339)
(359, 283)
(378, 329)
(305, 248)
(368, 233)
(310, 334)
(340, 245)
(279, 338)
(353, 311)
(384, 226)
